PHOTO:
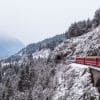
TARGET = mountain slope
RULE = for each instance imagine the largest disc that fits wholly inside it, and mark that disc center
(74, 82)
(49, 43)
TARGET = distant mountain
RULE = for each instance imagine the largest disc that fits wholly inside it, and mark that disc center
(9, 46)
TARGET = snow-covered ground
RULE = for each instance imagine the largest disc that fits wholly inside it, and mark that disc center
(88, 66)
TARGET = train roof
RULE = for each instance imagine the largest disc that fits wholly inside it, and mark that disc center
(88, 57)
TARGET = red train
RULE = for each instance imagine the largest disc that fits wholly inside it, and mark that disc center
(88, 60)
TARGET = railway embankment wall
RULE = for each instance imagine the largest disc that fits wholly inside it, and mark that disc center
(96, 78)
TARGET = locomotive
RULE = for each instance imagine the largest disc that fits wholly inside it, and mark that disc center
(91, 60)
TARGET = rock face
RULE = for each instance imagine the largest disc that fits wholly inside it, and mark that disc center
(73, 82)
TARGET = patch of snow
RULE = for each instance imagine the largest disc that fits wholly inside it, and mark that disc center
(4, 64)
(88, 66)
(44, 53)
(79, 65)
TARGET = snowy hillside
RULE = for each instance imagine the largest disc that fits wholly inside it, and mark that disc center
(85, 45)
(49, 43)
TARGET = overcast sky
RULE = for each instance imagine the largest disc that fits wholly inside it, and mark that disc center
(33, 20)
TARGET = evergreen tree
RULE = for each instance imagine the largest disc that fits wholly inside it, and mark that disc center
(96, 20)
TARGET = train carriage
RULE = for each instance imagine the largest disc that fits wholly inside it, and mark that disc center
(91, 60)
(80, 60)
